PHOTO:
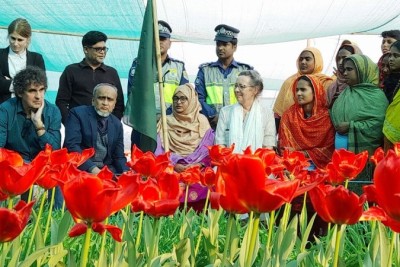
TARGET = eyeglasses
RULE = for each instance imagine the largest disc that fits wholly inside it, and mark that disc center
(241, 86)
(177, 98)
(98, 49)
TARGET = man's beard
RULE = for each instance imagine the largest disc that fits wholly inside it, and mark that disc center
(102, 114)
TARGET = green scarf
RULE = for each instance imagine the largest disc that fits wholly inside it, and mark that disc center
(363, 106)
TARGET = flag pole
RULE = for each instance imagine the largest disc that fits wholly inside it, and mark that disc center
(160, 77)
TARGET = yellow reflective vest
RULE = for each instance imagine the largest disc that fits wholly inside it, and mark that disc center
(220, 90)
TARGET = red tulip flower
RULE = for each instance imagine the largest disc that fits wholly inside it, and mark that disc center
(147, 164)
(3, 196)
(243, 186)
(377, 213)
(347, 164)
(208, 177)
(387, 184)
(57, 161)
(294, 160)
(219, 154)
(158, 196)
(16, 176)
(191, 175)
(309, 180)
(14, 221)
(272, 162)
(337, 204)
(332, 176)
(379, 154)
(92, 198)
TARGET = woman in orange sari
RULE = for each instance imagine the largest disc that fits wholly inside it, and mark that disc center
(306, 126)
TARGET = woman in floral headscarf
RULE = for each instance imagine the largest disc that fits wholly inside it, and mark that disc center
(309, 62)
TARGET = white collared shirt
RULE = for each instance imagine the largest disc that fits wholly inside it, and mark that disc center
(16, 63)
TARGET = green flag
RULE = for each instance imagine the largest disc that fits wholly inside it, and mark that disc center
(140, 111)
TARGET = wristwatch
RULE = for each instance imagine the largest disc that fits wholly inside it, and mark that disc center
(40, 128)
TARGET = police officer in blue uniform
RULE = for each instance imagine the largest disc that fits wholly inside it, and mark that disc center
(215, 80)
(174, 73)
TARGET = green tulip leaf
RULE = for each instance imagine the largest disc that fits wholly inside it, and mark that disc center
(307, 232)
(57, 254)
(161, 259)
(15, 255)
(35, 256)
(59, 231)
(147, 233)
(384, 244)
(244, 250)
(183, 251)
(235, 241)
(288, 240)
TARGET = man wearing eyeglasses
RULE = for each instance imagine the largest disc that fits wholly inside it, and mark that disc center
(215, 80)
(78, 79)
(28, 122)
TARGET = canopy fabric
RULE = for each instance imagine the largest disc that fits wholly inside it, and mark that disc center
(267, 29)
(260, 22)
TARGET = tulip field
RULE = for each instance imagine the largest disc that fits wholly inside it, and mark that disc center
(136, 219)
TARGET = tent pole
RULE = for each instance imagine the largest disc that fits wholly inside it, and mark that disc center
(160, 79)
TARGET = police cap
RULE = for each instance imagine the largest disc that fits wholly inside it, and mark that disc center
(164, 30)
(225, 33)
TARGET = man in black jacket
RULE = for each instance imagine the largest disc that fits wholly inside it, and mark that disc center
(78, 79)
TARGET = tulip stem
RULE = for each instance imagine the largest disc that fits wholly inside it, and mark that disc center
(153, 248)
(286, 215)
(346, 183)
(86, 245)
(394, 237)
(127, 212)
(4, 253)
(103, 242)
(30, 194)
(271, 227)
(46, 230)
(63, 209)
(139, 232)
(228, 237)
(186, 200)
(33, 234)
(201, 224)
(10, 203)
(250, 227)
(253, 239)
(337, 245)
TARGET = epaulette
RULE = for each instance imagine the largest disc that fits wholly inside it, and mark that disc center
(246, 65)
(205, 64)
(176, 60)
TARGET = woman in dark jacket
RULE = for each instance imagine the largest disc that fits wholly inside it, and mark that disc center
(16, 56)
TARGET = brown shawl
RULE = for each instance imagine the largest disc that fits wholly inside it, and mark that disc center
(186, 129)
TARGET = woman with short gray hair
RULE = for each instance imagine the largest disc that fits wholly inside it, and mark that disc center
(246, 123)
